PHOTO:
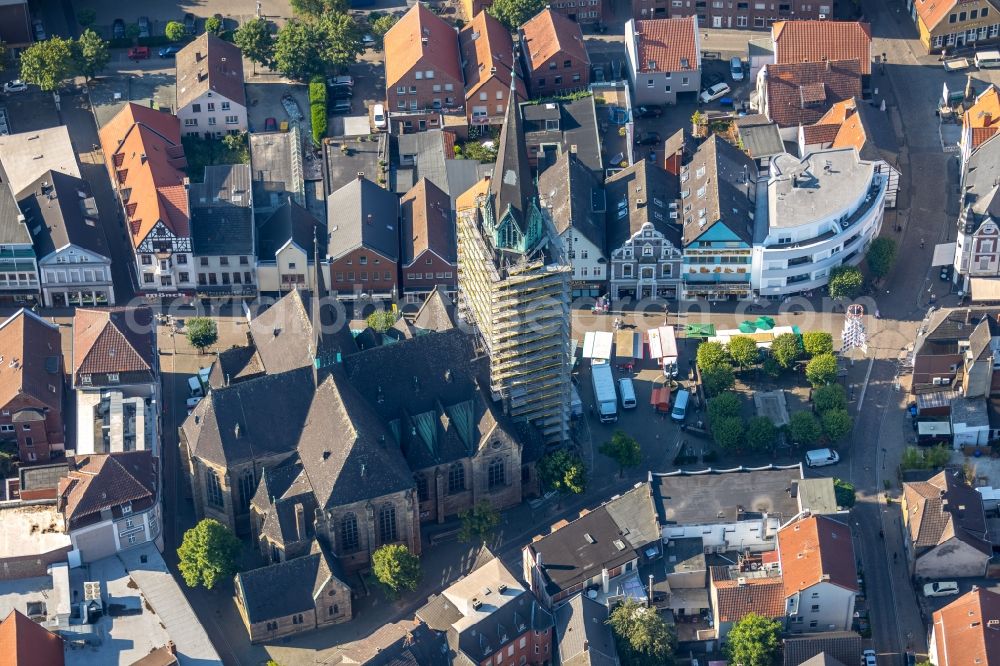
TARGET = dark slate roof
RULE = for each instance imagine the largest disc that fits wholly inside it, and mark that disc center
(722, 168)
(346, 451)
(426, 390)
(437, 313)
(418, 647)
(278, 590)
(12, 230)
(582, 634)
(280, 492)
(947, 326)
(576, 132)
(363, 215)
(574, 197)
(60, 210)
(255, 406)
(880, 137)
(761, 140)
(512, 186)
(221, 216)
(235, 364)
(843, 646)
(289, 222)
(637, 195)
(101, 481)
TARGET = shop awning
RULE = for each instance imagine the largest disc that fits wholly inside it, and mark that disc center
(944, 254)
(985, 289)
(597, 344)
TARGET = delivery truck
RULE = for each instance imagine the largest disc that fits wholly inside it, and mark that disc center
(605, 394)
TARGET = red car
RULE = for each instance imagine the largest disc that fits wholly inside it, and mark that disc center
(270, 125)
(138, 53)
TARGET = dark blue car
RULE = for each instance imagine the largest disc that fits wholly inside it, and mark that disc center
(169, 51)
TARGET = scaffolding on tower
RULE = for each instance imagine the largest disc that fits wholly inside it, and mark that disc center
(855, 337)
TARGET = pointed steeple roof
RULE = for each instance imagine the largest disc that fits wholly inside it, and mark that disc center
(512, 185)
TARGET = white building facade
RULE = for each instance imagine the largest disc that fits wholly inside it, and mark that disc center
(822, 212)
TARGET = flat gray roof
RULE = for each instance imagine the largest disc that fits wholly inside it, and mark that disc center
(714, 496)
(803, 191)
(761, 140)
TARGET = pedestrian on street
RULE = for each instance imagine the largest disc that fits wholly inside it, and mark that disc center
(921, 243)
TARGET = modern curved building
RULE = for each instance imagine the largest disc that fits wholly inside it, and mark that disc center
(822, 212)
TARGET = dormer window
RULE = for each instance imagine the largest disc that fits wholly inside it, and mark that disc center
(127, 508)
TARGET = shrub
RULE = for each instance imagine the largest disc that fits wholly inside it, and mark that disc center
(804, 428)
(728, 432)
(717, 379)
(318, 117)
(761, 433)
(786, 349)
(822, 370)
(817, 342)
(844, 492)
(831, 396)
(711, 354)
(727, 404)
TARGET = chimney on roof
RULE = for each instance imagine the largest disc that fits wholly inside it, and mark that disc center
(586, 646)
(171, 647)
(987, 118)
(142, 158)
(300, 522)
(361, 175)
(198, 56)
(236, 430)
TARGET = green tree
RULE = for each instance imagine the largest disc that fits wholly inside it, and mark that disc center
(319, 7)
(381, 26)
(642, 637)
(845, 282)
(831, 396)
(298, 50)
(936, 457)
(743, 350)
(804, 428)
(623, 449)
(754, 641)
(845, 493)
(761, 433)
(255, 40)
(837, 424)
(727, 404)
(341, 40)
(728, 432)
(515, 13)
(208, 554)
(563, 472)
(478, 522)
(817, 342)
(396, 568)
(175, 31)
(213, 24)
(91, 53)
(238, 145)
(712, 355)
(202, 332)
(913, 458)
(822, 370)
(86, 17)
(717, 379)
(381, 321)
(3, 56)
(881, 256)
(786, 349)
(47, 64)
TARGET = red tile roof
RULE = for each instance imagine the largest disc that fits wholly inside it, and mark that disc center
(814, 550)
(983, 117)
(144, 155)
(967, 631)
(820, 133)
(427, 223)
(421, 37)
(932, 12)
(668, 45)
(738, 597)
(488, 51)
(550, 33)
(24, 642)
(30, 360)
(113, 340)
(103, 481)
(818, 41)
(802, 93)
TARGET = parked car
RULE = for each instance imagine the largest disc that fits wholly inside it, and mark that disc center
(868, 658)
(822, 457)
(344, 80)
(118, 29)
(736, 68)
(15, 86)
(368, 41)
(189, 23)
(715, 92)
(143, 26)
(945, 273)
(341, 106)
(648, 139)
(270, 125)
(169, 51)
(378, 117)
(39, 30)
(340, 92)
(138, 53)
(649, 111)
(710, 79)
(941, 589)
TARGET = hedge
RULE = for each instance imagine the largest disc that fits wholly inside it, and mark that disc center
(317, 109)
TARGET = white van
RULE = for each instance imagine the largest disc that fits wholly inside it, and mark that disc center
(680, 405)
(627, 391)
(194, 384)
(987, 59)
(822, 457)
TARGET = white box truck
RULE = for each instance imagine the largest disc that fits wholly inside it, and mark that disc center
(604, 392)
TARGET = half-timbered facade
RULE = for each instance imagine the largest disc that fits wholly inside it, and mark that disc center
(145, 159)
